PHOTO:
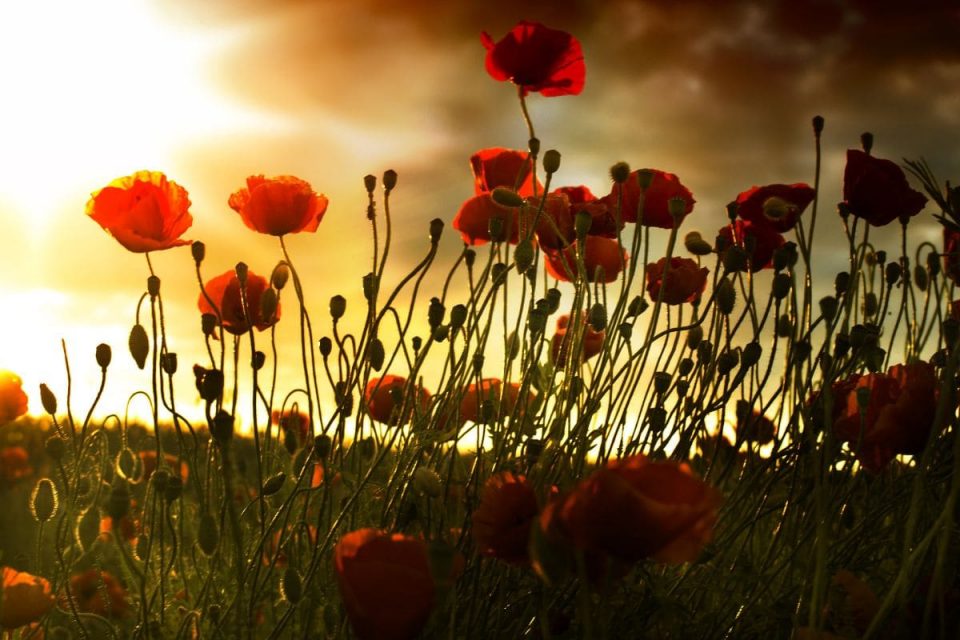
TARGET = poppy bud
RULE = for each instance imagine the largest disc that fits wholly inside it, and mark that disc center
(168, 362)
(258, 359)
(727, 360)
(427, 481)
(440, 333)
(685, 367)
(416, 342)
(280, 275)
(785, 256)
(199, 251)
(274, 483)
(801, 351)
(784, 326)
(523, 255)
(48, 400)
(435, 312)
(222, 427)
(694, 337)
(620, 172)
(153, 286)
(371, 285)
(866, 141)
(533, 144)
(436, 228)
(625, 330)
(458, 315)
(637, 306)
(933, 264)
(44, 501)
(55, 447)
(536, 322)
(751, 354)
(103, 355)
(290, 586)
(582, 222)
(817, 125)
(732, 208)
(139, 345)
(174, 488)
(477, 361)
(208, 534)
(211, 385)
(338, 306)
(551, 161)
(513, 346)
(506, 197)
(678, 209)
(696, 245)
(389, 180)
(843, 210)
(683, 386)
(920, 276)
(870, 304)
(499, 273)
(661, 381)
(375, 354)
(598, 317)
(268, 304)
(321, 446)
(781, 285)
(208, 324)
(734, 259)
(828, 307)
(645, 178)
(726, 296)
(657, 417)
(241, 270)
(552, 297)
(842, 282)
(879, 257)
(469, 257)
(118, 504)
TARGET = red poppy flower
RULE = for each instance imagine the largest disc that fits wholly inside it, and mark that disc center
(148, 459)
(384, 397)
(13, 401)
(951, 254)
(753, 426)
(385, 583)
(603, 223)
(296, 422)
(473, 220)
(537, 58)
(224, 290)
(26, 598)
(633, 509)
(555, 223)
(501, 524)
(898, 416)
(129, 527)
(685, 281)
(598, 253)
(656, 204)
(777, 206)
(591, 345)
(503, 397)
(14, 464)
(143, 211)
(278, 206)
(877, 190)
(758, 240)
(88, 589)
(498, 167)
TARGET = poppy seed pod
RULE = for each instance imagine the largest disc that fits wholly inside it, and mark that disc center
(48, 400)
(727, 360)
(620, 172)
(582, 222)
(817, 125)
(625, 330)
(208, 323)
(338, 306)
(661, 381)
(370, 183)
(781, 286)
(371, 285)
(458, 315)
(211, 385)
(695, 244)
(523, 255)
(389, 180)
(685, 367)
(435, 313)
(376, 354)
(153, 286)
(199, 251)
(139, 345)
(598, 317)
(551, 161)
(241, 270)
(866, 141)
(436, 229)
(828, 307)
(645, 178)
(842, 282)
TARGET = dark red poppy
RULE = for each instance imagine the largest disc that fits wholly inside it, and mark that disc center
(143, 211)
(777, 206)
(473, 220)
(757, 240)
(683, 282)
(951, 254)
(385, 583)
(385, 396)
(603, 260)
(295, 422)
(877, 191)
(603, 223)
(498, 167)
(88, 590)
(501, 524)
(632, 509)
(753, 426)
(560, 344)
(898, 417)
(554, 224)
(224, 290)
(503, 397)
(537, 58)
(278, 206)
(656, 204)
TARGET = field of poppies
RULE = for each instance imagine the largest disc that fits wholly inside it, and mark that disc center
(678, 444)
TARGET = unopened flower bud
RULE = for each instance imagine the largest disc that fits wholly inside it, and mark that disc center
(139, 345)
(55, 447)
(533, 144)
(371, 286)
(211, 385)
(389, 180)
(694, 337)
(369, 183)
(732, 208)
(582, 222)
(153, 286)
(727, 360)
(598, 317)
(258, 359)
(268, 304)
(241, 270)
(551, 161)
(290, 586)
(696, 245)
(280, 275)
(523, 255)
(734, 259)
(208, 324)
(513, 346)
(499, 273)
(817, 125)
(208, 534)
(274, 483)
(168, 362)
(321, 446)
(620, 172)
(552, 297)
(199, 251)
(625, 330)
(44, 501)
(704, 352)
(828, 308)
(436, 229)
(870, 304)
(785, 256)
(726, 296)
(842, 282)
(661, 381)
(435, 313)
(48, 400)
(751, 354)
(781, 285)
(657, 417)
(685, 367)
(637, 306)
(507, 197)
(920, 277)
(458, 315)
(338, 306)
(536, 322)
(866, 141)
(221, 428)
(376, 354)
(416, 342)
(469, 257)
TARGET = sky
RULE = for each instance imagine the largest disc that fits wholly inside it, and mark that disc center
(720, 94)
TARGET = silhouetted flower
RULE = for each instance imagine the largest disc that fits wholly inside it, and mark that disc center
(473, 220)
(684, 281)
(224, 290)
(537, 58)
(143, 211)
(501, 524)
(777, 206)
(757, 240)
(877, 190)
(278, 206)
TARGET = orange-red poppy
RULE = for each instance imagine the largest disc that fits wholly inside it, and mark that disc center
(560, 344)
(474, 217)
(385, 397)
(503, 397)
(13, 401)
(143, 211)
(26, 598)
(88, 590)
(224, 290)
(603, 259)
(278, 206)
